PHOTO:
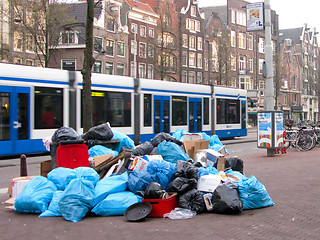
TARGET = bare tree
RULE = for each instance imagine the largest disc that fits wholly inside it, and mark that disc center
(40, 19)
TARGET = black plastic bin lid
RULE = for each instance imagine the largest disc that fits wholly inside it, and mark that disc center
(137, 211)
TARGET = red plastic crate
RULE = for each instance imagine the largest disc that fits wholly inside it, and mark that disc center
(73, 156)
(162, 206)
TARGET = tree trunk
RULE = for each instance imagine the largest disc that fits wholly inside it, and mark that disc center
(86, 71)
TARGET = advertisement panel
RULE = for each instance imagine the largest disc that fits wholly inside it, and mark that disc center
(255, 17)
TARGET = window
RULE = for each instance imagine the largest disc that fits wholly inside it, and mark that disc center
(206, 64)
(109, 68)
(184, 76)
(133, 47)
(143, 31)
(250, 42)
(233, 82)
(151, 50)
(200, 43)
(233, 16)
(97, 66)
(242, 40)
(151, 32)
(294, 82)
(150, 71)
(30, 62)
(179, 110)
(147, 103)
(167, 21)
(18, 40)
(142, 70)
(97, 44)
(199, 77)
(242, 63)
(134, 28)
(30, 44)
(233, 63)
(17, 60)
(68, 65)
(241, 19)
(120, 69)
(192, 59)
(261, 65)
(184, 40)
(69, 38)
(193, 11)
(261, 45)
(114, 107)
(48, 107)
(246, 83)
(120, 48)
(197, 26)
(109, 47)
(184, 60)
(206, 111)
(251, 65)
(111, 24)
(228, 111)
(199, 60)
(142, 50)
(192, 77)
(192, 41)
(233, 38)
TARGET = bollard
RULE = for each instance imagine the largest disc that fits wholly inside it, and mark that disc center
(23, 166)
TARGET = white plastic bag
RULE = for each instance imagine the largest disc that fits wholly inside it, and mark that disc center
(180, 213)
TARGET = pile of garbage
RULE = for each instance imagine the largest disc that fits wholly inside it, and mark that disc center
(175, 176)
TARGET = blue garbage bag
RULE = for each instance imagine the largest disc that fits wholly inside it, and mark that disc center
(178, 134)
(59, 176)
(85, 173)
(171, 152)
(161, 171)
(124, 140)
(112, 184)
(98, 150)
(215, 142)
(208, 170)
(35, 196)
(53, 209)
(116, 204)
(253, 194)
(139, 180)
(77, 200)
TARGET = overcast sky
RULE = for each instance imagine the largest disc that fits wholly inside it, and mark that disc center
(292, 13)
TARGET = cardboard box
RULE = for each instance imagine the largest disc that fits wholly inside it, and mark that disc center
(191, 147)
(45, 168)
(98, 160)
(221, 164)
(191, 136)
(17, 184)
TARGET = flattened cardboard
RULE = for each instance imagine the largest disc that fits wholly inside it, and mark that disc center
(101, 159)
(45, 168)
(221, 164)
(191, 147)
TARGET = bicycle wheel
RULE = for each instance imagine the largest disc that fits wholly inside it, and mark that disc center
(290, 138)
(304, 142)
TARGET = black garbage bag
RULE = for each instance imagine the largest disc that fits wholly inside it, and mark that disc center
(144, 149)
(100, 132)
(154, 191)
(160, 137)
(236, 164)
(154, 151)
(186, 170)
(192, 200)
(65, 133)
(182, 185)
(225, 199)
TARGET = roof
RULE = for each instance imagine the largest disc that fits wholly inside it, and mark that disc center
(140, 5)
(221, 11)
(292, 33)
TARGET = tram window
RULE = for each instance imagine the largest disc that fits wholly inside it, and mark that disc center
(228, 111)
(112, 107)
(206, 111)
(48, 107)
(147, 109)
(179, 111)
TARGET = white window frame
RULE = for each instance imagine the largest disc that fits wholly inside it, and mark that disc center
(150, 71)
(250, 42)
(192, 59)
(142, 70)
(199, 43)
(141, 54)
(199, 60)
(242, 40)
(193, 11)
(233, 41)
(143, 31)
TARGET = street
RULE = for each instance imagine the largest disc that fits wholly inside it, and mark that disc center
(291, 180)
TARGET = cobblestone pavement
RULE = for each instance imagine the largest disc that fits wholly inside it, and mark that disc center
(292, 180)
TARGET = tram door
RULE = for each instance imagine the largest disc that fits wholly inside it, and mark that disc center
(243, 115)
(195, 115)
(161, 114)
(14, 120)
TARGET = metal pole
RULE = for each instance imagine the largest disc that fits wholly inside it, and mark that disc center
(269, 92)
(23, 166)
